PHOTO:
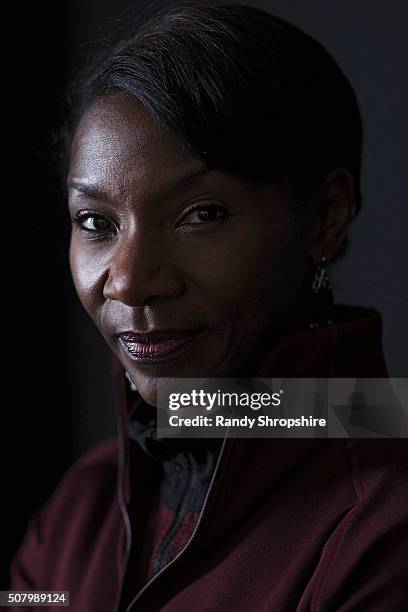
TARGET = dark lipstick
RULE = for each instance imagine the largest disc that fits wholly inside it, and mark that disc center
(153, 346)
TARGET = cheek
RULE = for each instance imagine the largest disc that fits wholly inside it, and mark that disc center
(88, 273)
(254, 265)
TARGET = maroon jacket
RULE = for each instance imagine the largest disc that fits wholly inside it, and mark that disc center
(287, 525)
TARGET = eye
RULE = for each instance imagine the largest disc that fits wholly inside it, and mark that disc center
(200, 215)
(93, 223)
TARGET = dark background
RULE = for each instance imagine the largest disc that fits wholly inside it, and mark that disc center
(63, 402)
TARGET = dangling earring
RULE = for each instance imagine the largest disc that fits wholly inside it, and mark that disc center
(321, 300)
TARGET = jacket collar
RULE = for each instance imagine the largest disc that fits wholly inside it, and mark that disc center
(351, 347)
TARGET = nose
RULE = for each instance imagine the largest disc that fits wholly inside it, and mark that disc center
(139, 272)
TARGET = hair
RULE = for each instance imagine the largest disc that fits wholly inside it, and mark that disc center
(244, 90)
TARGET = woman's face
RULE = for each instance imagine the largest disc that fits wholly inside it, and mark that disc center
(161, 242)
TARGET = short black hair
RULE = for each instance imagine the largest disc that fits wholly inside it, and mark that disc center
(247, 91)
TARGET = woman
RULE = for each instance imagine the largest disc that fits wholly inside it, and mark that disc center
(214, 171)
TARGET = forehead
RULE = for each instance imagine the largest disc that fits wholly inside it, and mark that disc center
(119, 146)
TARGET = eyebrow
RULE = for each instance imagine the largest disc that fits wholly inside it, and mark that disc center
(174, 185)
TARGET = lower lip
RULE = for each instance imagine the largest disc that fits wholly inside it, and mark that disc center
(162, 351)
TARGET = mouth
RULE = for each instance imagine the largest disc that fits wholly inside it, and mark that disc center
(157, 346)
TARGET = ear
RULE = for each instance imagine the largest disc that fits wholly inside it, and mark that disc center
(333, 212)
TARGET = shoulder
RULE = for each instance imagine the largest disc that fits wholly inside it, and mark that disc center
(379, 469)
(84, 500)
(369, 545)
(91, 477)
(88, 482)
(102, 456)
(97, 465)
